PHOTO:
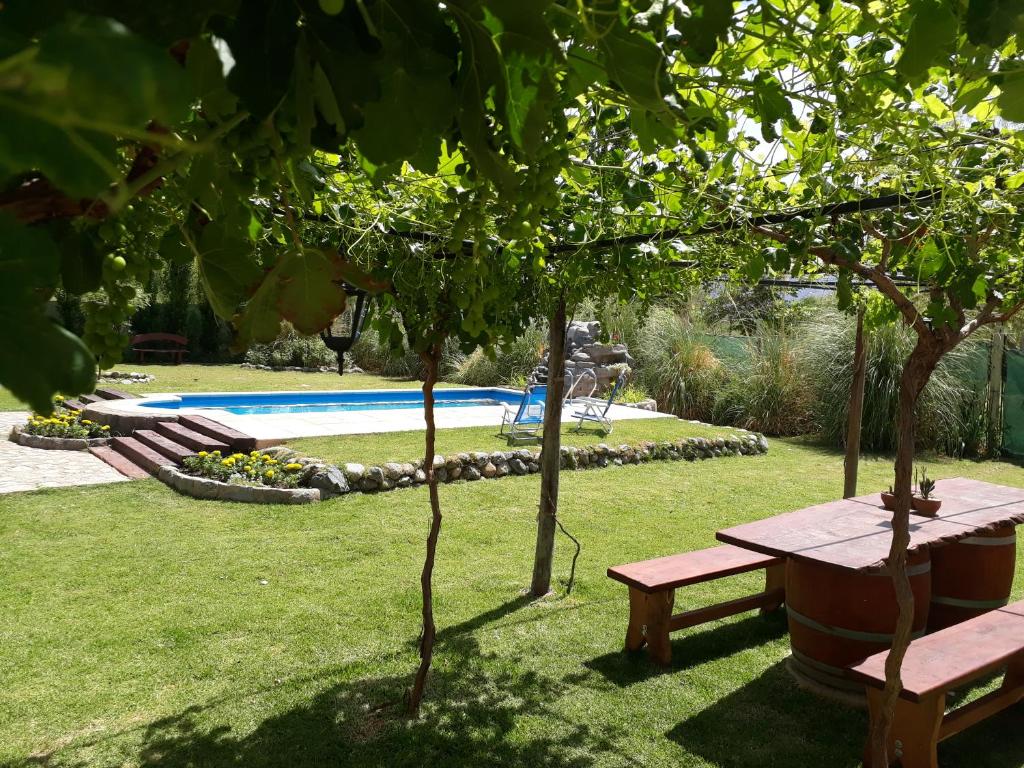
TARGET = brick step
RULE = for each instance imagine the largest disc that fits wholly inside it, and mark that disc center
(141, 454)
(197, 441)
(172, 450)
(238, 441)
(122, 464)
(114, 394)
(74, 405)
(90, 399)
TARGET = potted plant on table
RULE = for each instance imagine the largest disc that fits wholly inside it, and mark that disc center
(889, 499)
(924, 501)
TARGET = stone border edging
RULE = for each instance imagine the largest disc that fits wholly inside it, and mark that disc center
(55, 443)
(203, 488)
(474, 465)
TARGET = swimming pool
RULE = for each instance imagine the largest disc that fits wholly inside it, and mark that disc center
(266, 403)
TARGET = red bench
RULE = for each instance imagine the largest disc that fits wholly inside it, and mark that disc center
(653, 583)
(174, 345)
(938, 663)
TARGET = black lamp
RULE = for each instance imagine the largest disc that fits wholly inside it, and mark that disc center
(345, 328)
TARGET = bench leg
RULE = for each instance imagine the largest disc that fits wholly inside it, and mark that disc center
(914, 736)
(637, 619)
(774, 578)
(659, 616)
(1014, 677)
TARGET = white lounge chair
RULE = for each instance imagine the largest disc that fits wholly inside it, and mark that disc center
(595, 410)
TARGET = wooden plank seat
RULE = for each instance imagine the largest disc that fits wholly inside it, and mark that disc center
(938, 663)
(653, 583)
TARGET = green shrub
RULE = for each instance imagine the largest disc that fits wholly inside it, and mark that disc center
(254, 468)
(677, 367)
(292, 348)
(950, 412)
(507, 365)
(769, 392)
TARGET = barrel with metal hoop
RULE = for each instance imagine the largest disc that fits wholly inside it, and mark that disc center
(971, 576)
(838, 617)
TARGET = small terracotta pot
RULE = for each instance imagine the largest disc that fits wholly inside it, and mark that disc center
(926, 507)
(888, 500)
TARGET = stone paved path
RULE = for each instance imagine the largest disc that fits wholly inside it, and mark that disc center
(26, 469)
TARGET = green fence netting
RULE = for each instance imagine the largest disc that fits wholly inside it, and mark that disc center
(1013, 403)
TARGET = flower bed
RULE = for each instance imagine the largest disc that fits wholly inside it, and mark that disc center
(256, 469)
(66, 430)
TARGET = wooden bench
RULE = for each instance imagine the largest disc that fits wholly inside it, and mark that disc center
(176, 346)
(653, 583)
(938, 663)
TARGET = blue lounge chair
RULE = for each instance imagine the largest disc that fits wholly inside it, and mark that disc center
(595, 410)
(527, 419)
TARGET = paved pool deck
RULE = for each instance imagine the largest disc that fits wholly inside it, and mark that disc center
(286, 426)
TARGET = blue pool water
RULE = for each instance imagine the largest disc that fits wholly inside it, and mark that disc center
(307, 402)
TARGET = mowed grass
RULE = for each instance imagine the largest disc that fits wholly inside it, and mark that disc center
(232, 378)
(407, 446)
(141, 628)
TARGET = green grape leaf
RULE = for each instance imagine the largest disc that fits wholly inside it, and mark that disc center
(636, 64)
(772, 105)
(228, 268)
(29, 268)
(81, 263)
(990, 22)
(1011, 97)
(60, 362)
(309, 297)
(262, 41)
(205, 70)
(112, 75)
(174, 249)
(931, 36)
(259, 319)
(708, 23)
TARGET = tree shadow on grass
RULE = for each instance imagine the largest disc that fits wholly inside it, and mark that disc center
(474, 706)
(700, 646)
(771, 722)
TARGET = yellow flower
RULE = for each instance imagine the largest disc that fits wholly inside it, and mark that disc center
(229, 462)
(247, 467)
(255, 454)
(265, 457)
(237, 456)
(269, 474)
(86, 421)
(202, 454)
(215, 453)
(272, 462)
(292, 467)
(105, 427)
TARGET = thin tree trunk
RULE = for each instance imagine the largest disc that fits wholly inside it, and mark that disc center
(550, 454)
(430, 359)
(995, 391)
(916, 372)
(856, 411)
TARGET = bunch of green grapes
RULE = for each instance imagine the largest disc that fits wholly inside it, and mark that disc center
(129, 247)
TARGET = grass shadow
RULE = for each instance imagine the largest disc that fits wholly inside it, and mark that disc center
(698, 647)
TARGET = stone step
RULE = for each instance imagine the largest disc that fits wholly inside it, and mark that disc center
(119, 461)
(114, 394)
(197, 441)
(90, 399)
(238, 441)
(172, 450)
(74, 405)
(141, 454)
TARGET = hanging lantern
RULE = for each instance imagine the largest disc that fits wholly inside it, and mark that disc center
(344, 330)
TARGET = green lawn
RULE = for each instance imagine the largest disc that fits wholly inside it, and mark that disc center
(143, 628)
(233, 378)
(406, 446)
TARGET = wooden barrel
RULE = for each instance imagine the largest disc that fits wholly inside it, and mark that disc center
(838, 617)
(972, 576)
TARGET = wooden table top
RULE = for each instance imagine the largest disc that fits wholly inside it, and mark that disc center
(856, 533)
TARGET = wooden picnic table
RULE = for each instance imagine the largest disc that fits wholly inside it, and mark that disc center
(840, 602)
